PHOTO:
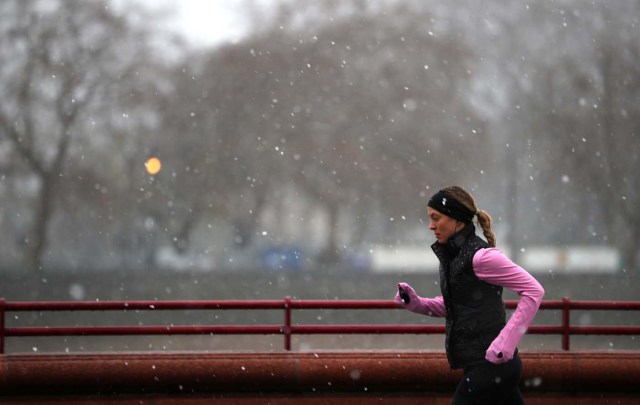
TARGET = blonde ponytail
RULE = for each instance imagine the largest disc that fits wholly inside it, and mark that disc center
(484, 220)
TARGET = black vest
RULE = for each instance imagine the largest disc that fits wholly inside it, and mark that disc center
(475, 312)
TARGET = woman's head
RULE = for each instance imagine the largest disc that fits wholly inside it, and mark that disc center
(451, 208)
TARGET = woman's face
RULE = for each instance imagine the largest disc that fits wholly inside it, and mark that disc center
(442, 226)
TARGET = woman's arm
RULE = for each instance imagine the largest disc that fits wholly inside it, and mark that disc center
(420, 305)
(492, 266)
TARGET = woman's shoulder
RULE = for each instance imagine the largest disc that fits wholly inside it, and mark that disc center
(489, 256)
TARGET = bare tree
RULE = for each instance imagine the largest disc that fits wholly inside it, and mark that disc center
(367, 107)
(592, 110)
(571, 120)
(62, 62)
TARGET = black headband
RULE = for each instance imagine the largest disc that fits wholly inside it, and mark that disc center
(450, 207)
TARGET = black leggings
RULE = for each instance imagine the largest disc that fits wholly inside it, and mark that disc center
(489, 383)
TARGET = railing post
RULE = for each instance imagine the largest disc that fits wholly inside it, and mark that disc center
(565, 323)
(2, 325)
(286, 329)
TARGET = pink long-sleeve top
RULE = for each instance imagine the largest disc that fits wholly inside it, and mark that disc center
(492, 266)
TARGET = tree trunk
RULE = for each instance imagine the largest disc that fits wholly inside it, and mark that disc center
(513, 236)
(38, 236)
(330, 254)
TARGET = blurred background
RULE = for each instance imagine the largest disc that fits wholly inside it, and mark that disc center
(262, 148)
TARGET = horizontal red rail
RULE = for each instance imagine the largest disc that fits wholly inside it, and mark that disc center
(287, 329)
(276, 304)
(140, 305)
(294, 329)
(586, 305)
(144, 330)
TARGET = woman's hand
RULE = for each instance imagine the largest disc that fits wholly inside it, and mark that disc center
(498, 352)
(407, 297)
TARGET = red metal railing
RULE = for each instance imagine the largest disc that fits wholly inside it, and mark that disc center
(287, 329)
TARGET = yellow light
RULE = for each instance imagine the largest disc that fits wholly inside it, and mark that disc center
(153, 165)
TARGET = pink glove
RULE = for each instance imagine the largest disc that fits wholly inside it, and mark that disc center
(420, 305)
